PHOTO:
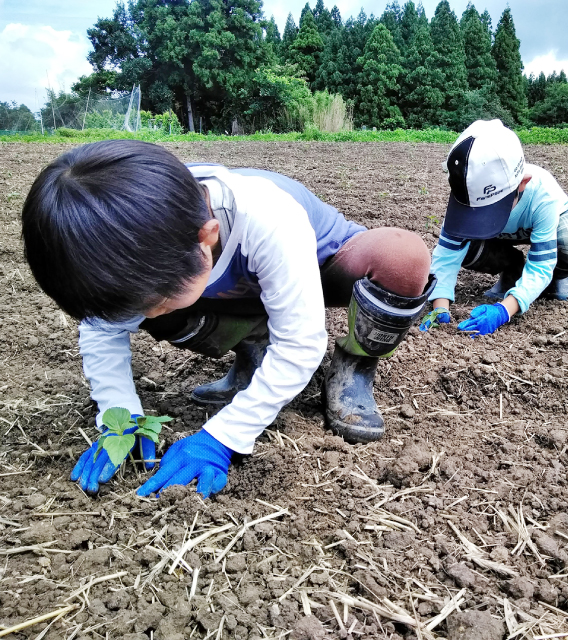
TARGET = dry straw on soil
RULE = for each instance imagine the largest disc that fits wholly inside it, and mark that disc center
(455, 523)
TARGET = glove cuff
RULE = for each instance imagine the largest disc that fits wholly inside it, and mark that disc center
(505, 317)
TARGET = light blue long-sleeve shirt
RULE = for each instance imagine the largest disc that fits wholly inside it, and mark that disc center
(534, 221)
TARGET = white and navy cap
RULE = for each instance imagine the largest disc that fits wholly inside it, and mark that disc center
(485, 166)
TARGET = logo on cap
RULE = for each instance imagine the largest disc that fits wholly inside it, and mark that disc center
(490, 188)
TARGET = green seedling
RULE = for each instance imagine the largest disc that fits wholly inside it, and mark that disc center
(431, 221)
(116, 442)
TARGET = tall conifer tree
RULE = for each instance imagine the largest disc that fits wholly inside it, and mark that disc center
(336, 71)
(480, 64)
(391, 18)
(306, 9)
(307, 47)
(511, 84)
(378, 86)
(288, 36)
(487, 22)
(336, 17)
(449, 53)
(422, 83)
(324, 21)
(409, 22)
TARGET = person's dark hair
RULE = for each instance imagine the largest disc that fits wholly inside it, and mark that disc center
(111, 228)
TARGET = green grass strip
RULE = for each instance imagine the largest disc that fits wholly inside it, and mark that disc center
(534, 135)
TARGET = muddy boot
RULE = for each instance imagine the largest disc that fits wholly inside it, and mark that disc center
(378, 322)
(249, 354)
(496, 257)
(347, 392)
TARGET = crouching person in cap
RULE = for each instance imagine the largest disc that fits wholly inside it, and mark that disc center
(123, 236)
(497, 202)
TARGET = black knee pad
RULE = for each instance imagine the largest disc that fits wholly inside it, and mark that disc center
(379, 320)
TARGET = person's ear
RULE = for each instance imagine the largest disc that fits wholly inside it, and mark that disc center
(526, 179)
(208, 235)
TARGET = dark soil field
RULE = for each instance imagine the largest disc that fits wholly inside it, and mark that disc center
(454, 526)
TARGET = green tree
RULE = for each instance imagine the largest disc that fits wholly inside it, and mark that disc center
(478, 104)
(449, 54)
(323, 19)
(17, 117)
(272, 38)
(199, 55)
(336, 69)
(553, 109)
(391, 18)
(409, 23)
(307, 47)
(378, 87)
(98, 83)
(288, 36)
(279, 100)
(510, 85)
(306, 9)
(536, 88)
(480, 64)
(487, 22)
(336, 17)
(422, 83)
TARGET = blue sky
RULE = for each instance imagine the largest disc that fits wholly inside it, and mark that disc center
(43, 42)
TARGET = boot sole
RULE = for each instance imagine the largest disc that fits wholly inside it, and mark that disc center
(353, 435)
(209, 403)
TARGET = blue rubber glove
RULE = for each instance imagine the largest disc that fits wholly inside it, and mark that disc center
(91, 473)
(435, 318)
(198, 456)
(485, 319)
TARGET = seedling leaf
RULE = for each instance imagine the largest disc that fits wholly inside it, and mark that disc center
(152, 422)
(117, 419)
(147, 433)
(118, 447)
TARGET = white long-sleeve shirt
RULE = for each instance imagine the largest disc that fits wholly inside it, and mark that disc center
(275, 234)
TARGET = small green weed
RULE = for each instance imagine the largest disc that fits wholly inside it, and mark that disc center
(431, 221)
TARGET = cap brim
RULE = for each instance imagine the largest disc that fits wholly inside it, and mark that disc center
(477, 223)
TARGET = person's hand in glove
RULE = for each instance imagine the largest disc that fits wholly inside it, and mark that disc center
(91, 472)
(485, 319)
(198, 456)
(435, 318)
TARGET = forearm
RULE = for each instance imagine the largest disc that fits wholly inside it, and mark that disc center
(284, 373)
(443, 303)
(107, 366)
(511, 304)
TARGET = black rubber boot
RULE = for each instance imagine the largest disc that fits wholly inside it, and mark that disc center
(351, 410)
(249, 354)
(378, 322)
(558, 288)
(496, 257)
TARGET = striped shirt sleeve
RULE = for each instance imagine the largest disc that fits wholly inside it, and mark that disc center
(446, 263)
(541, 258)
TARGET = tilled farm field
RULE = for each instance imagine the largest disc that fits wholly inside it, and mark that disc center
(454, 526)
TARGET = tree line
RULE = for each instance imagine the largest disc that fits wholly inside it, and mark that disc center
(221, 63)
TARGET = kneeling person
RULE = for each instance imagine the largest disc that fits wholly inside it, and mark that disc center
(497, 201)
(123, 236)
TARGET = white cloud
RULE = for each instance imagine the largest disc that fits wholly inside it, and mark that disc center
(546, 63)
(31, 54)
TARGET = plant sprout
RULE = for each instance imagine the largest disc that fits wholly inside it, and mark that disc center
(122, 429)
